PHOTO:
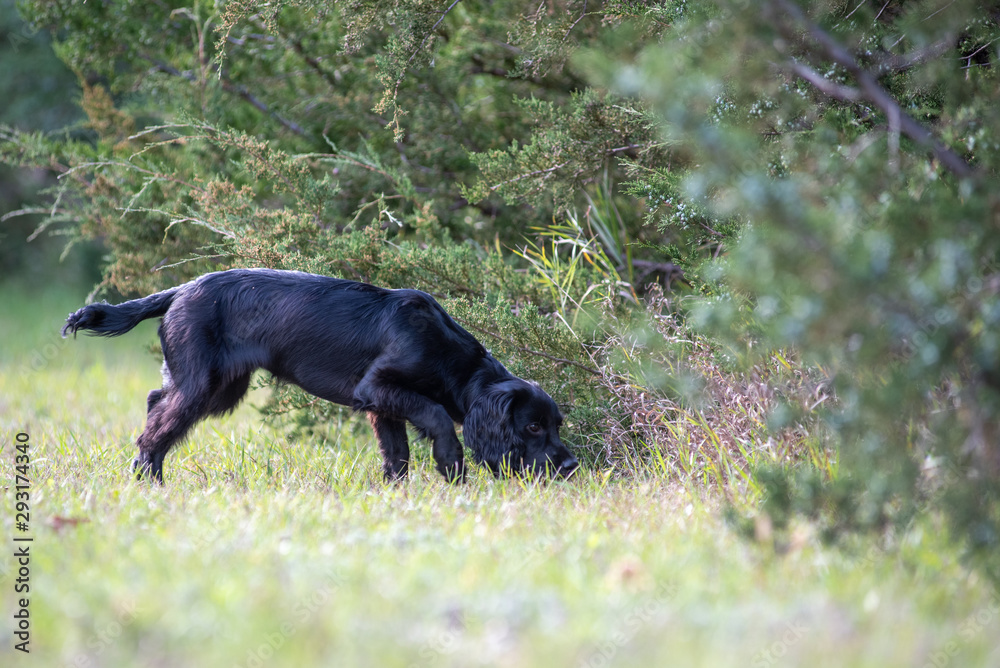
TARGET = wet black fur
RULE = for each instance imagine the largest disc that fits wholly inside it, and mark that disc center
(395, 354)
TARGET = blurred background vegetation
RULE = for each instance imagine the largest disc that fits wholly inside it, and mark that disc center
(39, 92)
(748, 244)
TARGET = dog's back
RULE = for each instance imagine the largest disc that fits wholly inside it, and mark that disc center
(317, 332)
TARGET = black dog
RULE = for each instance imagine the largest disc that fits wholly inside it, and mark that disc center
(393, 353)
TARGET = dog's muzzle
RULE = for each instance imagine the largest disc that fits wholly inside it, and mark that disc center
(568, 467)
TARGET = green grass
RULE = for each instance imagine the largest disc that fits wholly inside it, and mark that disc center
(261, 552)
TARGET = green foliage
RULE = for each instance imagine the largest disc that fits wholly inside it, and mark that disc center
(356, 140)
(859, 144)
(810, 184)
(570, 145)
(39, 94)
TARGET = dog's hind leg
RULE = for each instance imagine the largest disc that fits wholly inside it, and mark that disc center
(391, 435)
(168, 421)
(172, 411)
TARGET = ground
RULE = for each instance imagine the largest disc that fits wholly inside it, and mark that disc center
(264, 551)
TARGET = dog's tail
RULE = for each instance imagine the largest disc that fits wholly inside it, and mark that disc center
(105, 319)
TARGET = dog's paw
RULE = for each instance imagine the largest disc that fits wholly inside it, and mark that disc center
(395, 474)
(145, 468)
(140, 469)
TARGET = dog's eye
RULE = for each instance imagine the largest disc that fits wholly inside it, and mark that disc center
(535, 428)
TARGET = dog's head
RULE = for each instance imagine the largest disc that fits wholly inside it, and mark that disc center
(513, 427)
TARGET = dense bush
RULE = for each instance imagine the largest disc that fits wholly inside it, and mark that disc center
(860, 141)
(402, 143)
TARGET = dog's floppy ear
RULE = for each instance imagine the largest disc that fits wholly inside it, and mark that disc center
(489, 428)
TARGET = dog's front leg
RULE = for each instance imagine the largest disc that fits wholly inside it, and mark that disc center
(432, 420)
(427, 416)
(449, 457)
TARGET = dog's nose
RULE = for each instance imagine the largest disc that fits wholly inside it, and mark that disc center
(569, 465)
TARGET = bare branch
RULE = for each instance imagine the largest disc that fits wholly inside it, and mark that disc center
(902, 63)
(530, 174)
(582, 14)
(229, 87)
(825, 86)
(246, 95)
(530, 351)
(933, 14)
(627, 148)
(860, 5)
(28, 211)
(554, 168)
(424, 41)
(870, 90)
(968, 58)
(402, 74)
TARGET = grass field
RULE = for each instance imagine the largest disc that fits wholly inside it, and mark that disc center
(262, 552)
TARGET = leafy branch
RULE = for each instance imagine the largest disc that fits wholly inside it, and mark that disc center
(868, 87)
